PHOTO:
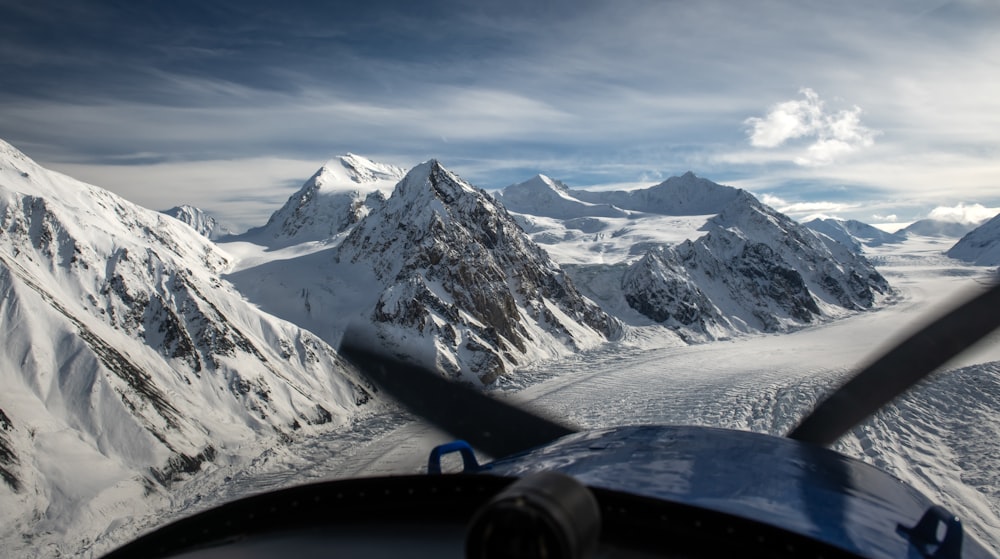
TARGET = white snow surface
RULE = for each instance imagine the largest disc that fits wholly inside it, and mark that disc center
(980, 246)
(199, 220)
(943, 437)
(852, 233)
(83, 460)
(583, 227)
(937, 228)
(337, 196)
(129, 365)
(543, 196)
(440, 271)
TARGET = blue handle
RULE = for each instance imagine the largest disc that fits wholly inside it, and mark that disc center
(469, 463)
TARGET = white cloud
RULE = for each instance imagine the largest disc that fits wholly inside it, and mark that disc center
(786, 121)
(891, 218)
(243, 193)
(962, 213)
(832, 135)
(805, 208)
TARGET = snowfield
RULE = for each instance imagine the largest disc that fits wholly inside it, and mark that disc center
(943, 437)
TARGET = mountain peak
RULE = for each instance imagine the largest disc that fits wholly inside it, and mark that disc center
(336, 197)
(544, 181)
(347, 171)
(9, 150)
(688, 194)
(458, 272)
(430, 178)
(544, 196)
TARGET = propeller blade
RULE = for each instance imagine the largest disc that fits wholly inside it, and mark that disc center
(496, 428)
(900, 368)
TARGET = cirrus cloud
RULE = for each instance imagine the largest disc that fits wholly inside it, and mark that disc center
(830, 135)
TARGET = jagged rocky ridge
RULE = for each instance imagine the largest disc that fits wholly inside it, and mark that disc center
(125, 350)
(753, 270)
(457, 272)
(437, 271)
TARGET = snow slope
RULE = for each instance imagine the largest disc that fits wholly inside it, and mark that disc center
(853, 233)
(703, 259)
(129, 365)
(936, 228)
(753, 270)
(687, 194)
(545, 197)
(943, 438)
(141, 384)
(439, 272)
(980, 246)
(200, 221)
(336, 197)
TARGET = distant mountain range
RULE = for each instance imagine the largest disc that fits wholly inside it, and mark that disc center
(139, 351)
(856, 234)
(703, 259)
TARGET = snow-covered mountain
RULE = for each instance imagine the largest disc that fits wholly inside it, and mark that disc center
(199, 220)
(579, 227)
(754, 270)
(937, 228)
(128, 363)
(853, 233)
(138, 351)
(687, 194)
(455, 266)
(441, 272)
(340, 193)
(980, 246)
(545, 197)
(705, 259)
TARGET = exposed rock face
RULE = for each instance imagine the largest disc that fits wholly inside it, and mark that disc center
(459, 272)
(659, 287)
(754, 269)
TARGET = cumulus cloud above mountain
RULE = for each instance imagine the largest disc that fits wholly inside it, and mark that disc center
(964, 213)
(826, 135)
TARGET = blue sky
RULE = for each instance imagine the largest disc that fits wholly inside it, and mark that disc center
(879, 111)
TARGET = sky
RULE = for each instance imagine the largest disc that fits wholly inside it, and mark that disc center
(878, 111)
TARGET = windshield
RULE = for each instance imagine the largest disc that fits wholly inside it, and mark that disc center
(612, 214)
